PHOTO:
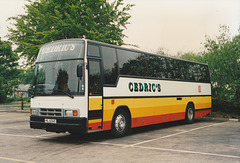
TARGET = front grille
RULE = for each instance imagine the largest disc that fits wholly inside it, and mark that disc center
(51, 112)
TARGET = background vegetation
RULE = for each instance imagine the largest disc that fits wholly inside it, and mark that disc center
(222, 54)
(8, 69)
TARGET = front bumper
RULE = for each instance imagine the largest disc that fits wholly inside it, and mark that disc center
(72, 125)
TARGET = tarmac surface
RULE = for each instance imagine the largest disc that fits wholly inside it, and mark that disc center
(206, 140)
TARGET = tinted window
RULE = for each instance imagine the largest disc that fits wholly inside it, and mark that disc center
(190, 72)
(183, 70)
(109, 65)
(174, 67)
(94, 78)
(131, 63)
(156, 66)
(203, 74)
(93, 50)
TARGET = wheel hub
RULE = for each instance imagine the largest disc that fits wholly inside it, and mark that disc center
(190, 113)
(120, 123)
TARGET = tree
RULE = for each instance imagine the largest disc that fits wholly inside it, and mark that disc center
(222, 54)
(50, 20)
(26, 75)
(191, 56)
(8, 69)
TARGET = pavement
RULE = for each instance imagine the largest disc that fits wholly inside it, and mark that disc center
(206, 140)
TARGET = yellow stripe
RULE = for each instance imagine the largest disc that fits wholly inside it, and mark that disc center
(11, 159)
(141, 107)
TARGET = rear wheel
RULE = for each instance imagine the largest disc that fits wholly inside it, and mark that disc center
(120, 123)
(190, 114)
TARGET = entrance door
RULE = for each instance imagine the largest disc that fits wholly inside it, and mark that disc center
(95, 108)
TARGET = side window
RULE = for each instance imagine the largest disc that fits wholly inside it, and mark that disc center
(94, 78)
(197, 72)
(177, 70)
(203, 73)
(190, 72)
(170, 68)
(156, 66)
(206, 74)
(110, 65)
(174, 67)
(93, 50)
(131, 63)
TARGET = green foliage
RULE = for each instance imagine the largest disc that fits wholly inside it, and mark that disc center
(162, 51)
(50, 20)
(8, 69)
(26, 76)
(190, 56)
(223, 57)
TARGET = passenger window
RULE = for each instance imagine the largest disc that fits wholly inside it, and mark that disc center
(93, 50)
(131, 63)
(110, 65)
(156, 66)
(174, 69)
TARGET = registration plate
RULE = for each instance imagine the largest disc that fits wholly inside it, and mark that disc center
(50, 121)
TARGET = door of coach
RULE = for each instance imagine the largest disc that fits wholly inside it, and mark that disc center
(95, 105)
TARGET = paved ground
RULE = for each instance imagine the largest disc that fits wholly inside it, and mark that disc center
(203, 141)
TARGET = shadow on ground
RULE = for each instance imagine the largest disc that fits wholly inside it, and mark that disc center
(102, 136)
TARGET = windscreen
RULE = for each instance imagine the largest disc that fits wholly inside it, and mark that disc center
(58, 78)
(56, 69)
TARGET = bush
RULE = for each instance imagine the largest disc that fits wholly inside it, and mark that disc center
(2, 98)
(220, 105)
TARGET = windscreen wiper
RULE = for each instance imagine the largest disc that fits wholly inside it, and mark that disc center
(65, 92)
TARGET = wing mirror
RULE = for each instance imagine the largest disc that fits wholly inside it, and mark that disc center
(79, 71)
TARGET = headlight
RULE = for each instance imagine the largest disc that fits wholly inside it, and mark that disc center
(71, 113)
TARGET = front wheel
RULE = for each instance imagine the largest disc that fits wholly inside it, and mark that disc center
(120, 123)
(190, 114)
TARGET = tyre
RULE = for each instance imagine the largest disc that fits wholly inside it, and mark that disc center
(120, 123)
(190, 114)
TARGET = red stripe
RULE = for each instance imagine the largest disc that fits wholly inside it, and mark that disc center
(143, 121)
(94, 126)
(202, 113)
(107, 125)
